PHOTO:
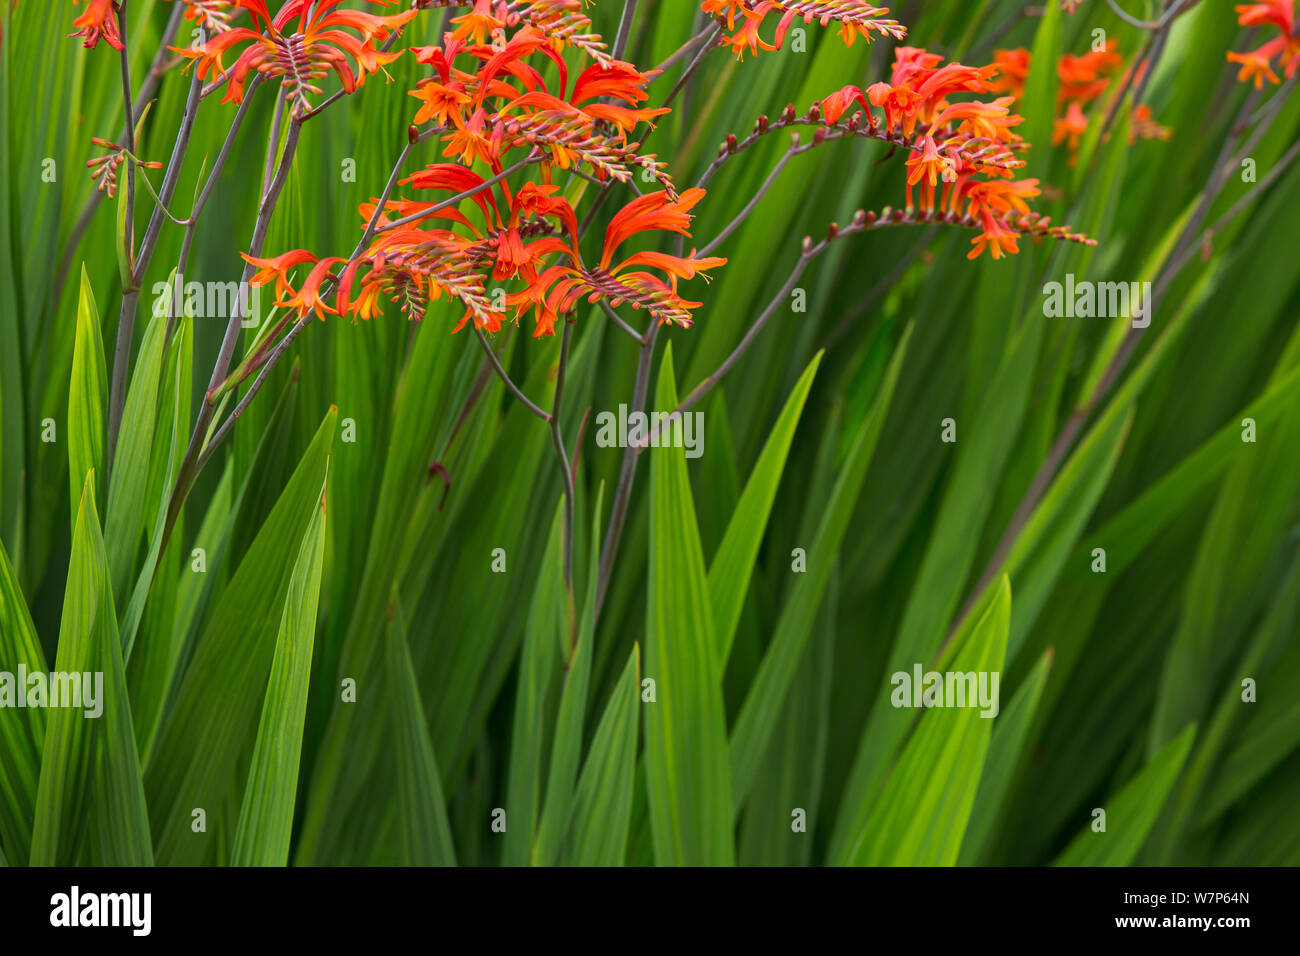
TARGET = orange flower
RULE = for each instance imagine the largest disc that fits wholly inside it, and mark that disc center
(558, 289)
(856, 18)
(300, 52)
(996, 237)
(1072, 126)
(653, 211)
(1001, 196)
(899, 104)
(1255, 65)
(992, 121)
(469, 142)
(214, 15)
(442, 101)
(748, 36)
(930, 165)
(1013, 71)
(308, 298)
(1280, 13)
(838, 103)
(98, 22)
(479, 23)
(1084, 78)
(716, 8)
(277, 268)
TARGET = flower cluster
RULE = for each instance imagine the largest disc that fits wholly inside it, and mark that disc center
(855, 18)
(967, 145)
(299, 45)
(492, 107)
(1257, 64)
(1081, 82)
(503, 102)
(519, 90)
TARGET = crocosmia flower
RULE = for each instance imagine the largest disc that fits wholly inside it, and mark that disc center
(303, 42)
(98, 22)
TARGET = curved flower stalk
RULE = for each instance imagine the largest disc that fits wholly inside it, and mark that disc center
(1257, 65)
(300, 44)
(965, 145)
(855, 19)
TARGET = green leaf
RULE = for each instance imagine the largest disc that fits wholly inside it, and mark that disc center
(687, 777)
(125, 518)
(602, 803)
(733, 565)
(266, 818)
(753, 728)
(1006, 749)
(89, 757)
(1132, 811)
(425, 835)
(22, 729)
(566, 749)
(1038, 105)
(215, 709)
(158, 474)
(542, 639)
(921, 815)
(87, 395)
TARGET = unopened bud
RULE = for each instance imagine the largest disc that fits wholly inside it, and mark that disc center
(412, 134)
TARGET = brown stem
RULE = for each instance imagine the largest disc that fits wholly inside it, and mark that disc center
(146, 90)
(505, 376)
(566, 473)
(190, 464)
(626, 474)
